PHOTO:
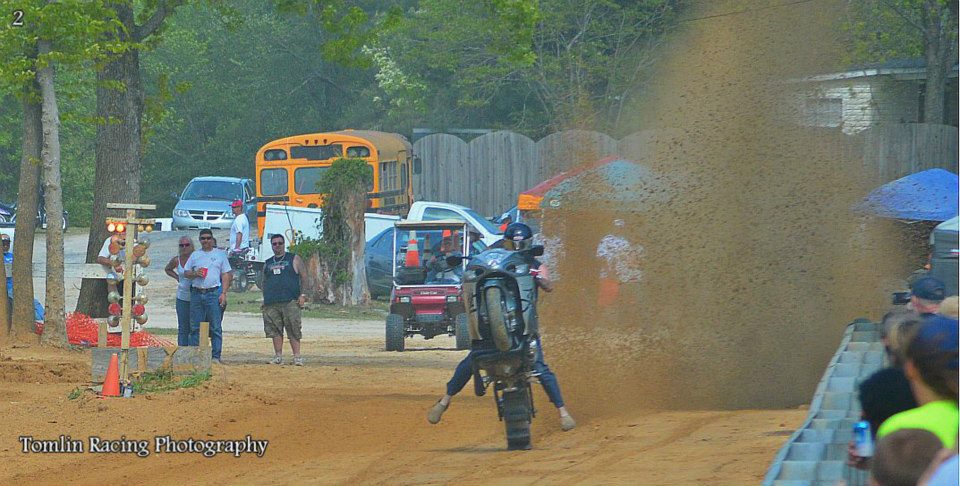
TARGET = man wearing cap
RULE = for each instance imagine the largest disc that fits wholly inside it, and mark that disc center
(240, 229)
(926, 294)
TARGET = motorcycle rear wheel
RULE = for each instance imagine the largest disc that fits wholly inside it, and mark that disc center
(496, 314)
(516, 418)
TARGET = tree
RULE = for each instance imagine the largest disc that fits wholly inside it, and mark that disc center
(338, 255)
(31, 50)
(891, 29)
(55, 330)
(119, 135)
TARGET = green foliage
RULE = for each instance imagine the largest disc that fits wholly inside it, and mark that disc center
(882, 30)
(75, 394)
(164, 380)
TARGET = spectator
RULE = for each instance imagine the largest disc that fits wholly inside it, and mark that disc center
(620, 264)
(438, 272)
(950, 307)
(38, 312)
(902, 457)
(943, 470)
(211, 274)
(111, 256)
(240, 229)
(283, 275)
(175, 268)
(926, 294)
(931, 366)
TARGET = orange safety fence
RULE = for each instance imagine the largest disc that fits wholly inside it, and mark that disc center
(83, 330)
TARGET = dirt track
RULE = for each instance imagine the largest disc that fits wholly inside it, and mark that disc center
(355, 415)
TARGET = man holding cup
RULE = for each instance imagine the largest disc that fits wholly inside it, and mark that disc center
(210, 273)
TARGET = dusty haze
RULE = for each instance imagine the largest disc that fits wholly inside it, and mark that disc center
(753, 263)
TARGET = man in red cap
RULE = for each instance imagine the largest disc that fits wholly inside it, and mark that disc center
(240, 229)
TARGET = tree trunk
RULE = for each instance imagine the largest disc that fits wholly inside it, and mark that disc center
(54, 330)
(357, 287)
(22, 327)
(118, 154)
(940, 52)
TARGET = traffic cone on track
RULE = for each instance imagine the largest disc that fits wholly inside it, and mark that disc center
(111, 384)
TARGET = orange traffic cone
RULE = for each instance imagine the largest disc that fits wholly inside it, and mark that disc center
(412, 257)
(111, 384)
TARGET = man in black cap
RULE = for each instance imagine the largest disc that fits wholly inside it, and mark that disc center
(926, 294)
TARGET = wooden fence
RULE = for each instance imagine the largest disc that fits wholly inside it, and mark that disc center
(490, 171)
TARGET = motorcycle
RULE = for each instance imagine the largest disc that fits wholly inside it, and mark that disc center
(500, 293)
(8, 214)
(246, 271)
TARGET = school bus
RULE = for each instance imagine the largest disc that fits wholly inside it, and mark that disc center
(287, 169)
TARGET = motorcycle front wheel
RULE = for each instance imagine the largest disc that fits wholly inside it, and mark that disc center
(496, 315)
(516, 418)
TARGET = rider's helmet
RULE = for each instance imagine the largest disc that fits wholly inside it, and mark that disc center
(517, 235)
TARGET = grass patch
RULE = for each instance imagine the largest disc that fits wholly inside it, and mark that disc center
(165, 380)
(75, 394)
(251, 301)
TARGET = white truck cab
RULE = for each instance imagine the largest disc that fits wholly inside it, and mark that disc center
(433, 211)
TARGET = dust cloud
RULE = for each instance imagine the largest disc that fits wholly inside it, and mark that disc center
(752, 262)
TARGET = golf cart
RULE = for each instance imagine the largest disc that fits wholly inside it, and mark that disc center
(426, 297)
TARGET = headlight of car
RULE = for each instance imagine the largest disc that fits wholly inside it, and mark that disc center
(181, 213)
(405, 299)
(451, 298)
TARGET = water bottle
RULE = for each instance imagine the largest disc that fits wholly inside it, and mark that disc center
(863, 441)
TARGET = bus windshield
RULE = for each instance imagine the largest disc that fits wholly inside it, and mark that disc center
(220, 190)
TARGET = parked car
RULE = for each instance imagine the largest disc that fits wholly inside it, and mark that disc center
(378, 256)
(434, 211)
(205, 203)
(944, 250)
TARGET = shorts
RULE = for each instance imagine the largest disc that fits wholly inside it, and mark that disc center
(280, 316)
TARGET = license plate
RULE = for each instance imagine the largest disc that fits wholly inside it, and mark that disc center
(203, 225)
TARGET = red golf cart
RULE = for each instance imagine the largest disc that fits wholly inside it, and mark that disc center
(426, 297)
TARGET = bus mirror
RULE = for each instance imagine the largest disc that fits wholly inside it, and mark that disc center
(417, 167)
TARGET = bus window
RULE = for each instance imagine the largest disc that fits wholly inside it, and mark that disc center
(316, 152)
(388, 176)
(403, 175)
(305, 179)
(358, 152)
(275, 154)
(273, 182)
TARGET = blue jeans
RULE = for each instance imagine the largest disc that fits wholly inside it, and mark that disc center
(206, 307)
(183, 322)
(463, 373)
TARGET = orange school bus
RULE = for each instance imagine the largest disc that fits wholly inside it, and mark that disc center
(287, 169)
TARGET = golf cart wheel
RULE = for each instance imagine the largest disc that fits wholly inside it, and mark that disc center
(516, 418)
(395, 332)
(462, 331)
(496, 312)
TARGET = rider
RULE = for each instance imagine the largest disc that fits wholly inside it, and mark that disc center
(517, 236)
(438, 271)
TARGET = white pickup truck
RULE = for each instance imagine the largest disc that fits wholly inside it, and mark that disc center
(432, 211)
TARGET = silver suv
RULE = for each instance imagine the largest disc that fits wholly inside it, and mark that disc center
(205, 203)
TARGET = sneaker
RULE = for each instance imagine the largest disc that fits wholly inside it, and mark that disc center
(435, 412)
(567, 423)
(217, 361)
(298, 360)
(276, 360)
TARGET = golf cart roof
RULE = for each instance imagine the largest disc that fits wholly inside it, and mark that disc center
(439, 223)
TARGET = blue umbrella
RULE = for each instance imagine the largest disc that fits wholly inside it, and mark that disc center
(930, 195)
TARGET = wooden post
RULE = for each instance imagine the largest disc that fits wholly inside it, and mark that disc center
(4, 304)
(102, 335)
(204, 334)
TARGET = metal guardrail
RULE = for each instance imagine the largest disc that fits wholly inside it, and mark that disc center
(815, 454)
